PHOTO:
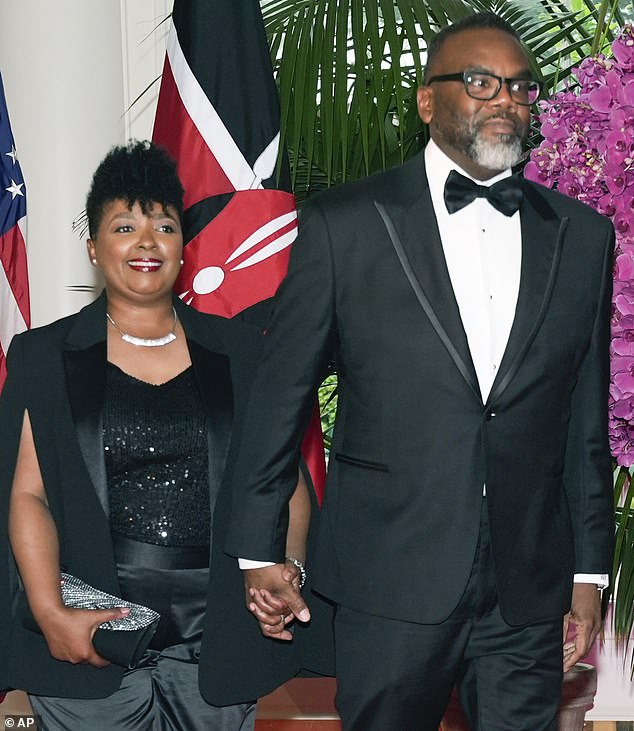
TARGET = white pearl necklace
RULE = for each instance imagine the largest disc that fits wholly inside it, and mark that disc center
(146, 342)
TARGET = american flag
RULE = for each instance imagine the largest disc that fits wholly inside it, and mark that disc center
(218, 117)
(14, 283)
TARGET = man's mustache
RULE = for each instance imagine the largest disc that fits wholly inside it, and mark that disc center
(518, 127)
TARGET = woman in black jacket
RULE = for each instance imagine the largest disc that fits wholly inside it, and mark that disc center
(120, 426)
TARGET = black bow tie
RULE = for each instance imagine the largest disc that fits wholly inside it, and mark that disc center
(505, 195)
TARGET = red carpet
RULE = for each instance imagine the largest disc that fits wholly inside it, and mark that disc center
(303, 704)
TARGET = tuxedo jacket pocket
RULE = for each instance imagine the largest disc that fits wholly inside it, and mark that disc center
(363, 463)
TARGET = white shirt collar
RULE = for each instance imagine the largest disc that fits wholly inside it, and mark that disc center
(438, 166)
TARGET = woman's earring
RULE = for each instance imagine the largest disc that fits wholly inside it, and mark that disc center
(182, 262)
(94, 262)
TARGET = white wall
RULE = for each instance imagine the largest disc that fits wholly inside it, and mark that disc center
(144, 37)
(71, 69)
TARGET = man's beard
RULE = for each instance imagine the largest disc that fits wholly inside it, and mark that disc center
(495, 155)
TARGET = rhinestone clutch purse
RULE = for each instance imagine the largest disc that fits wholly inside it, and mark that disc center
(121, 641)
(80, 595)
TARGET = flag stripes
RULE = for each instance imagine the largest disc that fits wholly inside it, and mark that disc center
(218, 117)
(14, 287)
(206, 119)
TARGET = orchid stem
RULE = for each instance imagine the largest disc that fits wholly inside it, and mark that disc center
(601, 29)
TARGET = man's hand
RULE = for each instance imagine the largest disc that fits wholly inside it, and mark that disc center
(273, 597)
(585, 615)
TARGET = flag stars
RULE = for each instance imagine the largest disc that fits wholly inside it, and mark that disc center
(13, 154)
(15, 189)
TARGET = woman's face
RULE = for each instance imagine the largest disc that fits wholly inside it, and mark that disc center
(139, 255)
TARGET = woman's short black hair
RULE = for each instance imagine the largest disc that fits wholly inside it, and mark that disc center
(139, 171)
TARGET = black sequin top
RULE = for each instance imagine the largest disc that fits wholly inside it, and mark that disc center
(155, 442)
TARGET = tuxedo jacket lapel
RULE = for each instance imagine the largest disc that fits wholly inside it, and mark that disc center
(411, 226)
(413, 231)
(542, 238)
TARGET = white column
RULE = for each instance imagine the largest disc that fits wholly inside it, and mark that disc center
(62, 68)
(145, 25)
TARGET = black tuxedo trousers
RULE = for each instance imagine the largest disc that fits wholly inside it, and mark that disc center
(399, 675)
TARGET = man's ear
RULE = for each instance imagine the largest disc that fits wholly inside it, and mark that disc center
(425, 103)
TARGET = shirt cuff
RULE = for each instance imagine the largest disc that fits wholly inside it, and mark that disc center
(601, 580)
(247, 563)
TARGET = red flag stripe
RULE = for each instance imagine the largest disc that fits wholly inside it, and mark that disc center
(3, 367)
(206, 119)
(218, 116)
(313, 453)
(199, 170)
(14, 293)
(240, 257)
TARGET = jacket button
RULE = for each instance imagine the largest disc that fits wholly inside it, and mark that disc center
(489, 415)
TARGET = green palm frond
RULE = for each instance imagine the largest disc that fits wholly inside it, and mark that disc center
(348, 70)
(622, 592)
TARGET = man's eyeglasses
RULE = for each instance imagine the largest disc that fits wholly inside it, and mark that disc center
(484, 86)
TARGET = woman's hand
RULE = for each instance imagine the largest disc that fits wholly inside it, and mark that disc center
(35, 545)
(69, 632)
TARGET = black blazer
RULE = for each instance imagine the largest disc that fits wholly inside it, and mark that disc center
(414, 443)
(58, 373)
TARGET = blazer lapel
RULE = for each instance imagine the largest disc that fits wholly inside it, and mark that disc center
(213, 376)
(85, 359)
(214, 383)
(413, 231)
(542, 237)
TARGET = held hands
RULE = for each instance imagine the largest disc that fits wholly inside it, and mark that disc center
(585, 615)
(273, 597)
(69, 632)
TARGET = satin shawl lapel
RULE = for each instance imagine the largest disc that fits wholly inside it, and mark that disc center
(413, 231)
(85, 368)
(214, 383)
(542, 238)
(213, 376)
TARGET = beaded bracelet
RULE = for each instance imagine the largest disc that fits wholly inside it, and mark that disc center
(301, 568)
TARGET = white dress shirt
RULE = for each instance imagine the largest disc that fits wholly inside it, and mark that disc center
(483, 251)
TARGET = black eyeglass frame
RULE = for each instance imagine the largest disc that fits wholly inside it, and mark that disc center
(462, 76)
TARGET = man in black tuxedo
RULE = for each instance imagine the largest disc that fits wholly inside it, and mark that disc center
(469, 480)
